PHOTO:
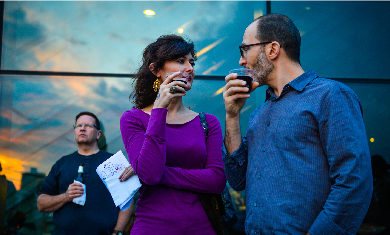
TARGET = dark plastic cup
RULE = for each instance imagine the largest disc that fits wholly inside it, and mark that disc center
(246, 75)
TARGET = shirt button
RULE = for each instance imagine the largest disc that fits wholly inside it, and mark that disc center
(263, 149)
(255, 204)
(268, 123)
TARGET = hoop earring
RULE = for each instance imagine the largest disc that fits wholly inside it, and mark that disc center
(156, 85)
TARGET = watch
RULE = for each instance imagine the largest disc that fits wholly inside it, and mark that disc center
(117, 232)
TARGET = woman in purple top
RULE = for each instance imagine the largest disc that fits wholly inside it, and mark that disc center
(167, 146)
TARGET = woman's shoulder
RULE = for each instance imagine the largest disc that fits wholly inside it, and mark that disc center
(212, 120)
(134, 112)
(134, 115)
(210, 117)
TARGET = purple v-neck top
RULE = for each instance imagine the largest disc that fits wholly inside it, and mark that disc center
(174, 163)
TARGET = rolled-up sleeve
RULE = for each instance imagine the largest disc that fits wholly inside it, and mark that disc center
(236, 165)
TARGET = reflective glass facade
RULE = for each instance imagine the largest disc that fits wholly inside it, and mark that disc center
(347, 41)
(110, 36)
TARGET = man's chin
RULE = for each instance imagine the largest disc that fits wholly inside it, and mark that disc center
(83, 141)
(261, 81)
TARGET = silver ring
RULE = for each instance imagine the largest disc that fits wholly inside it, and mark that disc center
(172, 90)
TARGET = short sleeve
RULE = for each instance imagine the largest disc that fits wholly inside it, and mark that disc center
(50, 184)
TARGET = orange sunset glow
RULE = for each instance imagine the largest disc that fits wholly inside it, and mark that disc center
(12, 169)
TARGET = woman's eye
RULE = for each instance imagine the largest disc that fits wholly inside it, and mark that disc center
(181, 61)
(192, 63)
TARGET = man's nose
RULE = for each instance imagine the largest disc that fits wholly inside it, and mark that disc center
(242, 61)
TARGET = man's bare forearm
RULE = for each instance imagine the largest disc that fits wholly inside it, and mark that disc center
(48, 203)
(124, 218)
(232, 134)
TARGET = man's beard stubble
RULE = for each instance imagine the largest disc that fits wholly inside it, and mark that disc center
(263, 68)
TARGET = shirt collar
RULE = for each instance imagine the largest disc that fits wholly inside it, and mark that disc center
(298, 83)
(301, 82)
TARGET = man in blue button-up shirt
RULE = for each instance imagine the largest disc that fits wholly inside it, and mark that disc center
(305, 162)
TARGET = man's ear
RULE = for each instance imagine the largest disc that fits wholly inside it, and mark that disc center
(99, 134)
(273, 50)
(152, 68)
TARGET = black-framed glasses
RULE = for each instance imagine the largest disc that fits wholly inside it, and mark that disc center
(86, 126)
(245, 47)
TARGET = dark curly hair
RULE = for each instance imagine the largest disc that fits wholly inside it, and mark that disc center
(165, 48)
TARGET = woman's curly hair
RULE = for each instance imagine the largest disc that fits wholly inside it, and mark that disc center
(165, 48)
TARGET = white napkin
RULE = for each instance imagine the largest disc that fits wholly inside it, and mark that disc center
(121, 192)
(80, 200)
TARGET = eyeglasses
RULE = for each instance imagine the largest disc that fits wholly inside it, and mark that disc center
(244, 48)
(85, 125)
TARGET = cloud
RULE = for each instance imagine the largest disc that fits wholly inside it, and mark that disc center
(56, 57)
(116, 37)
(210, 18)
(18, 25)
(76, 41)
(11, 137)
(20, 36)
(33, 40)
(10, 116)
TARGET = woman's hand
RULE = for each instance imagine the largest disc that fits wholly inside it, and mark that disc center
(168, 91)
(126, 174)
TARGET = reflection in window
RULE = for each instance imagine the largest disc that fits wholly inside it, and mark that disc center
(37, 112)
(110, 36)
(336, 35)
(36, 126)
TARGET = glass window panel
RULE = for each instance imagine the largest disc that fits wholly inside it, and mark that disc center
(37, 113)
(342, 39)
(376, 114)
(110, 36)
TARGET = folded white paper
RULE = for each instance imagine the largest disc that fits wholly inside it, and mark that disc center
(80, 200)
(121, 192)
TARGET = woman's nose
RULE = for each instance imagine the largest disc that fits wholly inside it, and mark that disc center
(189, 68)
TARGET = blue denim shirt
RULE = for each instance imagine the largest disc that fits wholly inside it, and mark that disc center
(305, 162)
